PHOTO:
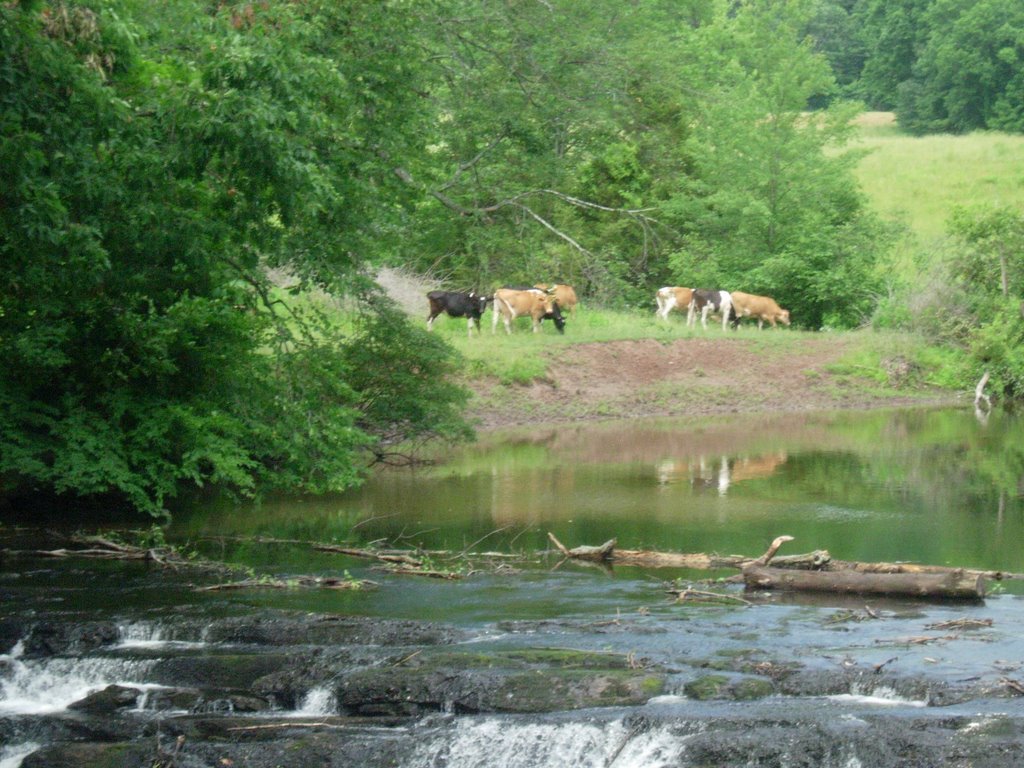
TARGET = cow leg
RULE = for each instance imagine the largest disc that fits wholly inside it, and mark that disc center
(725, 317)
(704, 316)
(664, 307)
(691, 315)
(469, 330)
(430, 322)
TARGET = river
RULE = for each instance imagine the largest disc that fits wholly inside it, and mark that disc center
(428, 672)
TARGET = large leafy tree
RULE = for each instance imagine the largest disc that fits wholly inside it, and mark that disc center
(155, 160)
(772, 206)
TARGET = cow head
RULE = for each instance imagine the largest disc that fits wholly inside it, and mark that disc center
(556, 316)
(784, 316)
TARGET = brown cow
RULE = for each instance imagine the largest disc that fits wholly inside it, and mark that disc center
(510, 304)
(761, 307)
(669, 298)
(563, 294)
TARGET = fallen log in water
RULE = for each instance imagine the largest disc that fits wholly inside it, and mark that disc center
(955, 585)
(814, 571)
(700, 561)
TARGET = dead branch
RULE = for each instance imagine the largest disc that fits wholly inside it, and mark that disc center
(600, 553)
(770, 553)
(961, 624)
(979, 393)
(1014, 685)
(879, 667)
(276, 726)
(696, 595)
(309, 582)
(446, 575)
(370, 554)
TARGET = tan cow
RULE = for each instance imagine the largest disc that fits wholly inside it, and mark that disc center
(669, 298)
(536, 304)
(761, 307)
(563, 294)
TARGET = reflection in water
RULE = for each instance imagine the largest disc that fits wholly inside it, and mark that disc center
(718, 472)
(926, 485)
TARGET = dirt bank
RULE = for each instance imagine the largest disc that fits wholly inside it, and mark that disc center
(697, 376)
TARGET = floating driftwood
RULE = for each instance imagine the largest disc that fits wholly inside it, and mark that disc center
(103, 548)
(956, 585)
(308, 582)
(815, 571)
(607, 553)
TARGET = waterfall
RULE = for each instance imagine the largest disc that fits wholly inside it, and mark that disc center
(12, 755)
(41, 686)
(494, 741)
(146, 634)
(317, 701)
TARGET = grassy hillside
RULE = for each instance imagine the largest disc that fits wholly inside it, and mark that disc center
(920, 180)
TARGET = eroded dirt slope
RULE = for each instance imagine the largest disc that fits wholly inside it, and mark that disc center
(646, 377)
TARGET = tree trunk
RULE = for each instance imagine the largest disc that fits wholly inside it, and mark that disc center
(956, 585)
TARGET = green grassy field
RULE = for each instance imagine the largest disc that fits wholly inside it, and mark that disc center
(918, 181)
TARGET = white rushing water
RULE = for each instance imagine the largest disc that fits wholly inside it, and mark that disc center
(317, 701)
(485, 743)
(41, 686)
(880, 696)
(145, 634)
(12, 755)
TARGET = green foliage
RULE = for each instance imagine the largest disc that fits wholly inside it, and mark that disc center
(150, 171)
(968, 74)
(997, 346)
(403, 378)
(994, 260)
(772, 208)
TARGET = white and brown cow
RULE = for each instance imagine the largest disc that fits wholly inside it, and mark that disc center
(670, 298)
(564, 294)
(510, 303)
(763, 308)
(706, 302)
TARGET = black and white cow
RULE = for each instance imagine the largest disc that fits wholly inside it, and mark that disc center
(469, 305)
(705, 302)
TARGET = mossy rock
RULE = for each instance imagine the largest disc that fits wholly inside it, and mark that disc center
(707, 687)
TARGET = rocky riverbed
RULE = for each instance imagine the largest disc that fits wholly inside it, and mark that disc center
(779, 682)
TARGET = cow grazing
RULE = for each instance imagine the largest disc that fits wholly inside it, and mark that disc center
(469, 305)
(564, 294)
(705, 302)
(670, 298)
(762, 307)
(510, 304)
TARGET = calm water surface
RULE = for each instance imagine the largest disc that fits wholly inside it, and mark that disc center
(924, 485)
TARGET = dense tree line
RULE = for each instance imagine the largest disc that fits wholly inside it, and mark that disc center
(942, 65)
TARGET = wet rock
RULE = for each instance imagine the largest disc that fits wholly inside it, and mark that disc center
(330, 630)
(231, 671)
(11, 631)
(230, 703)
(110, 699)
(417, 692)
(119, 755)
(55, 638)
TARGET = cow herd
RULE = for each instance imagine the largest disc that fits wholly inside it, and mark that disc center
(543, 301)
(732, 306)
